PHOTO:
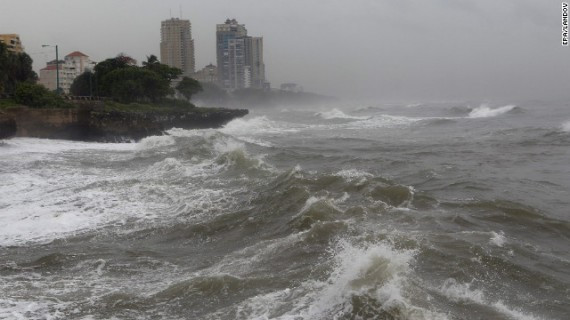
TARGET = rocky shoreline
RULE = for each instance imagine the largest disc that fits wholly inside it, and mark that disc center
(93, 123)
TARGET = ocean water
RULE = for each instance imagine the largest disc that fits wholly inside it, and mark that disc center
(359, 211)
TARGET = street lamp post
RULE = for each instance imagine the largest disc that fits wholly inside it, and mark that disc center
(56, 65)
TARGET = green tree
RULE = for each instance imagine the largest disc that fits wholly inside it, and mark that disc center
(37, 96)
(150, 61)
(3, 67)
(136, 84)
(103, 68)
(83, 85)
(167, 72)
(188, 87)
(14, 68)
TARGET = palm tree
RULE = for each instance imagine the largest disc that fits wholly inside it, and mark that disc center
(151, 60)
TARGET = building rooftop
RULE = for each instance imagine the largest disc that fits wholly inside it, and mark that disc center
(77, 54)
(52, 67)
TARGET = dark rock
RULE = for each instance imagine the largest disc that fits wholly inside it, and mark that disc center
(119, 126)
(7, 126)
(92, 123)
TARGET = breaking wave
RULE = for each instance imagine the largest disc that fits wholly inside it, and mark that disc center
(365, 282)
(255, 126)
(485, 111)
(337, 114)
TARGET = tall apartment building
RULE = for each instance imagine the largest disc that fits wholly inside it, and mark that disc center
(70, 68)
(254, 56)
(13, 42)
(230, 54)
(239, 57)
(177, 45)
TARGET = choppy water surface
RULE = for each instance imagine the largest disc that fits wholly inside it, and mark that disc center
(434, 211)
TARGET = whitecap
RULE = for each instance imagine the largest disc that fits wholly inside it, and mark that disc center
(255, 126)
(351, 174)
(484, 111)
(459, 292)
(337, 114)
(498, 239)
(382, 121)
(464, 292)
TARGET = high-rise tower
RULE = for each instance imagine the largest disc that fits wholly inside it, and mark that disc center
(177, 45)
(239, 57)
(231, 54)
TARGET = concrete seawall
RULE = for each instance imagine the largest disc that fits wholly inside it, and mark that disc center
(88, 123)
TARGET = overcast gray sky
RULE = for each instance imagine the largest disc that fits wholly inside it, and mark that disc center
(391, 49)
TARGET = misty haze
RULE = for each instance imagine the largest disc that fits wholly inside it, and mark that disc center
(255, 159)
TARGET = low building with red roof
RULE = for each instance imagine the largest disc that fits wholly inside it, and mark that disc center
(70, 68)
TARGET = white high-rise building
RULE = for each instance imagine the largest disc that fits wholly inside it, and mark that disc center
(177, 45)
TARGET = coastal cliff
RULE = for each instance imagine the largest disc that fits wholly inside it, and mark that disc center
(93, 123)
